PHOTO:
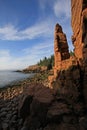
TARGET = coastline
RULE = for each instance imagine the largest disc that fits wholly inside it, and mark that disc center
(18, 86)
(9, 77)
(11, 97)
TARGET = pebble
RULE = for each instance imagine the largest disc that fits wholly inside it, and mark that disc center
(3, 109)
(14, 113)
(24, 128)
(9, 119)
(14, 118)
(3, 114)
(8, 116)
(4, 126)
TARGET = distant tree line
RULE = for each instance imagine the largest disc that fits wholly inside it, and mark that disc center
(49, 62)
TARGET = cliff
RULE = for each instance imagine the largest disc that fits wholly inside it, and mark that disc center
(35, 69)
(79, 26)
(76, 10)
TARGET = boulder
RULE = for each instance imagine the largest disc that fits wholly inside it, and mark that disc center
(36, 104)
(25, 107)
(43, 98)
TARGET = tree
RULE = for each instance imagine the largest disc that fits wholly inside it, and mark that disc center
(49, 62)
(71, 53)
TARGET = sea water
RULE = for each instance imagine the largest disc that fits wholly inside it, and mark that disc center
(7, 77)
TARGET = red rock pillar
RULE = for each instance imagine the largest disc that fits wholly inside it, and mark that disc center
(60, 47)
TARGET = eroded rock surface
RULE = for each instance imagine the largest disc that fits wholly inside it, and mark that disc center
(60, 46)
(79, 26)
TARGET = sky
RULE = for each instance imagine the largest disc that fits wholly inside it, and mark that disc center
(27, 30)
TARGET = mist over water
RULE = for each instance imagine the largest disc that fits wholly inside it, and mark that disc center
(7, 77)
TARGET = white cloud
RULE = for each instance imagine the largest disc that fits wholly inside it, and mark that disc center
(4, 53)
(39, 51)
(8, 32)
(30, 56)
(42, 4)
(41, 29)
(45, 4)
(62, 7)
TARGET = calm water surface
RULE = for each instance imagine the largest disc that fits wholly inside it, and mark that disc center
(7, 77)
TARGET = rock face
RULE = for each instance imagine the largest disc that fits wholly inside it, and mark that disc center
(35, 69)
(79, 38)
(46, 109)
(60, 46)
(79, 26)
(34, 112)
(61, 53)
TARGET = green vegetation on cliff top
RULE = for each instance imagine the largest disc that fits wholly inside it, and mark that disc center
(49, 62)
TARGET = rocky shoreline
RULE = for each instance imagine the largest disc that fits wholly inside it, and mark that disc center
(10, 97)
(32, 105)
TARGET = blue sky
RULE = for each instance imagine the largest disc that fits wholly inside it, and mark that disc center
(27, 30)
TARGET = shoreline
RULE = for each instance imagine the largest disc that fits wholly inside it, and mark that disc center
(7, 92)
(11, 97)
(10, 78)
(16, 82)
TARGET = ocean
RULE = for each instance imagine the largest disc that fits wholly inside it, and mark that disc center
(8, 77)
